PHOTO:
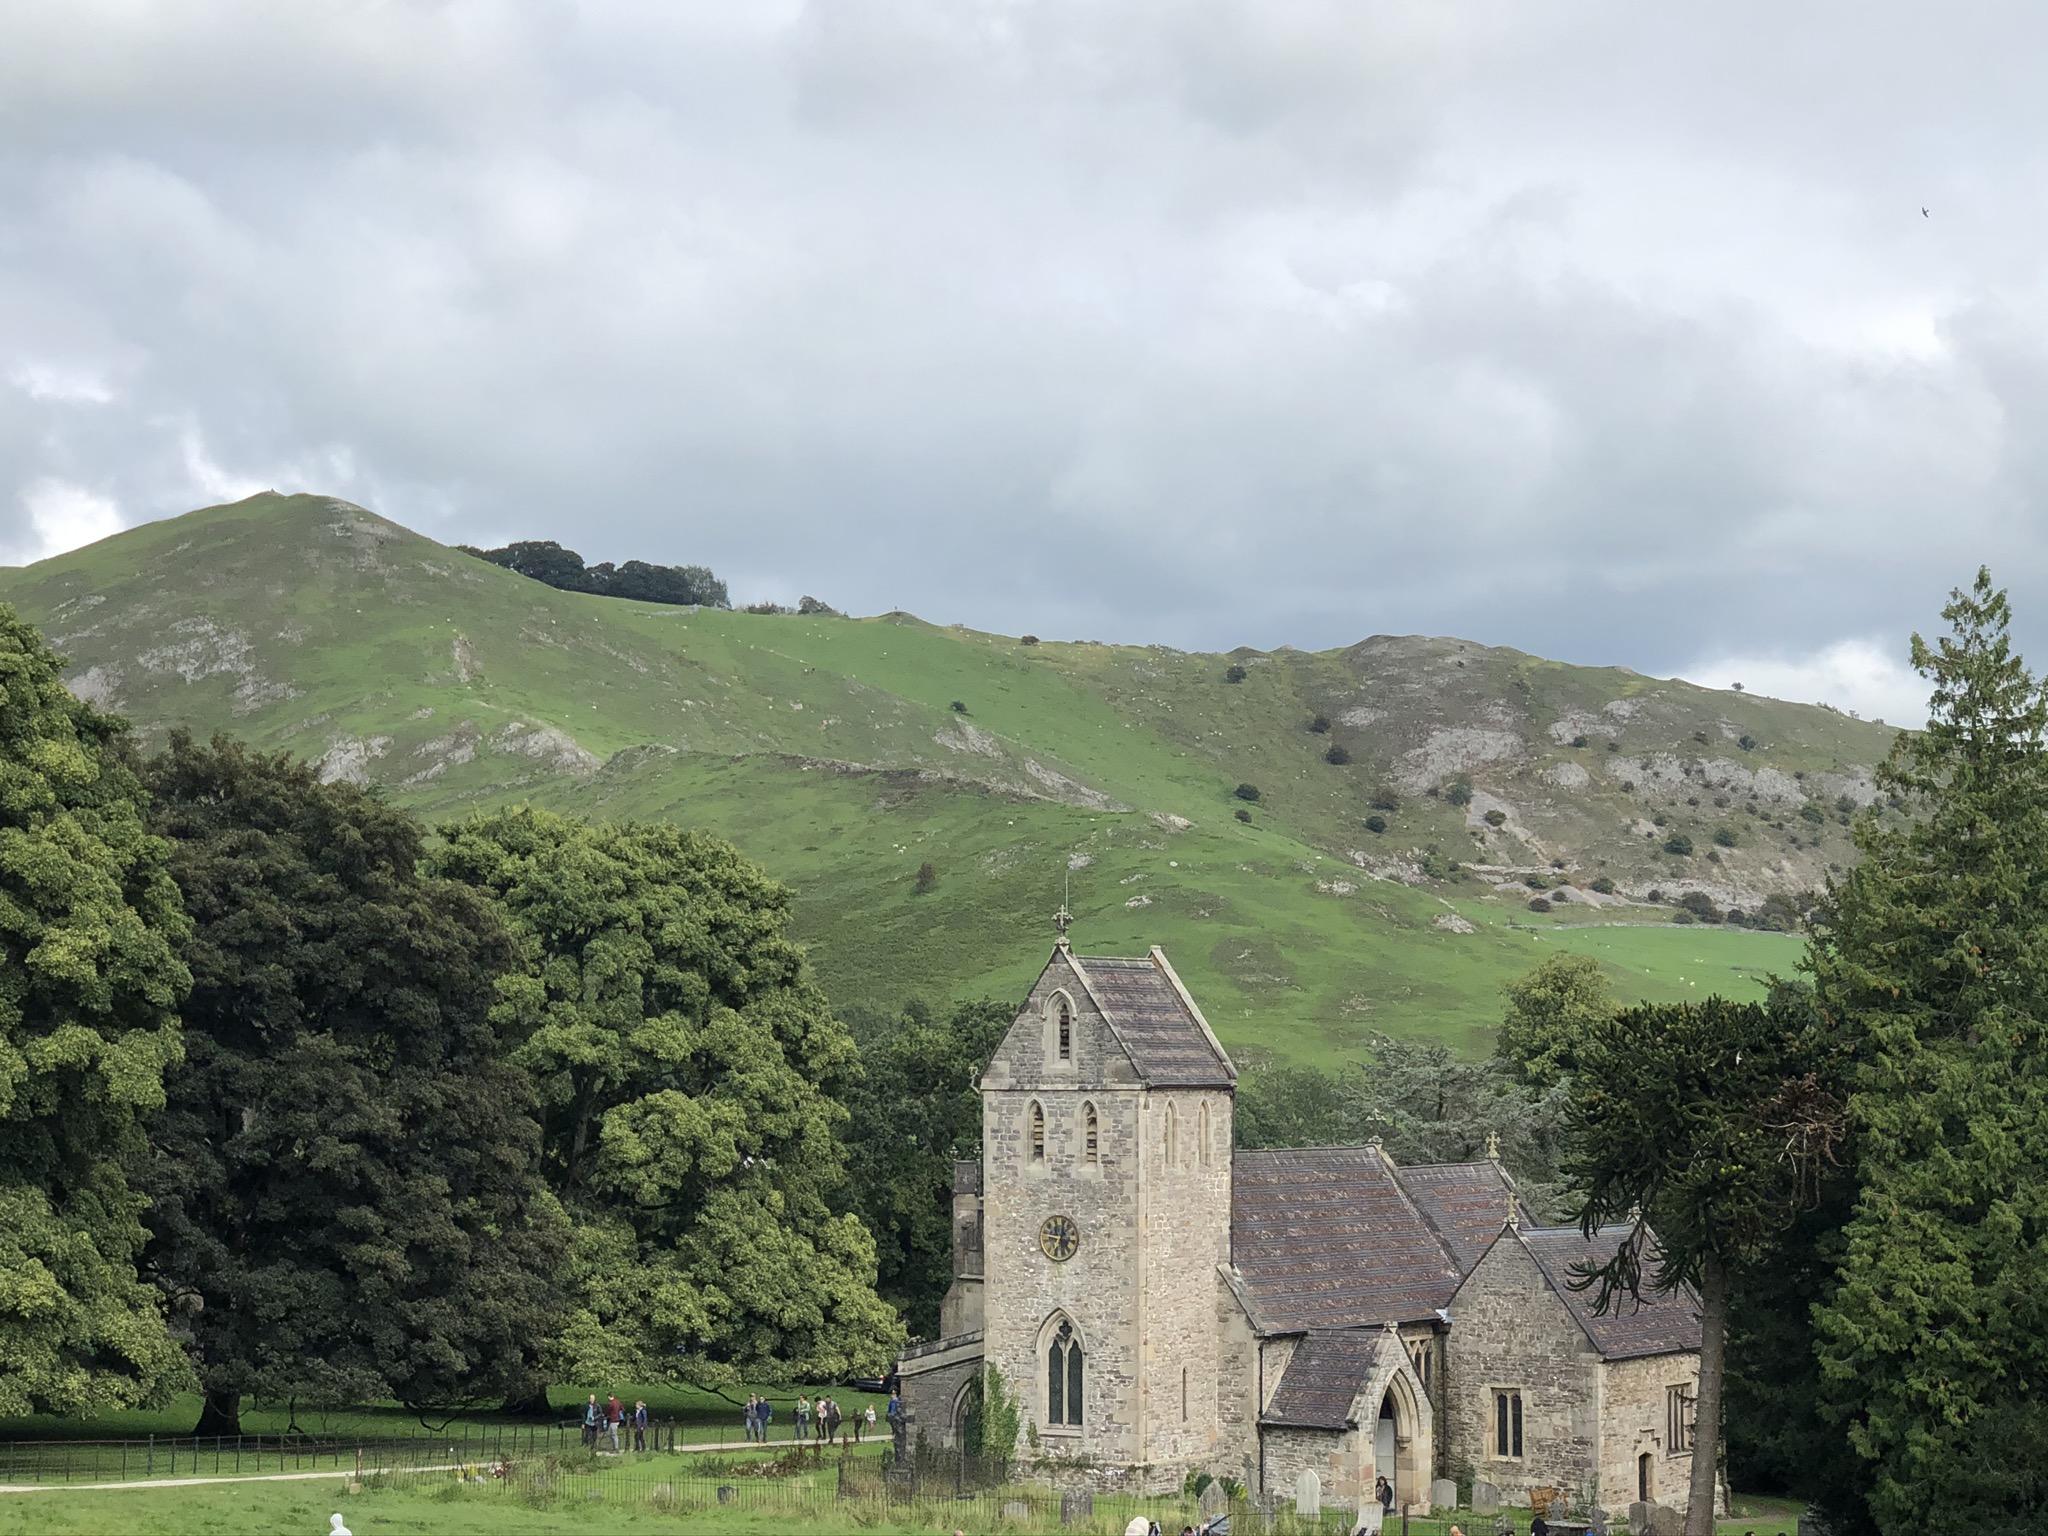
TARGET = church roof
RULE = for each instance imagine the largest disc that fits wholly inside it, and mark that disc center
(1659, 1325)
(1325, 1237)
(1156, 1021)
(1465, 1203)
(1323, 1378)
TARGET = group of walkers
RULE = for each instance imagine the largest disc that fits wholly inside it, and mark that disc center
(825, 1421)
(604, 1420)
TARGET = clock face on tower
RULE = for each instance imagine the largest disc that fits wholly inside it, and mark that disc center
(1059, 1237)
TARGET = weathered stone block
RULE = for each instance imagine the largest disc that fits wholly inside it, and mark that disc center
(1443, 1494)
(1212, 1502)
(1485, 1497)
(1308, 1493)
(1077, 1506)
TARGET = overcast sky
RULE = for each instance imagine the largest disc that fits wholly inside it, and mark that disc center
(1609, 331)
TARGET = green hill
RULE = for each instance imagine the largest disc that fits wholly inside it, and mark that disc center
(830, 751)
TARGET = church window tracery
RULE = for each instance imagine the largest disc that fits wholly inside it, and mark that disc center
(1037, 1132)
(1064, 1371)
(1091, 1136)
(1063, 1027)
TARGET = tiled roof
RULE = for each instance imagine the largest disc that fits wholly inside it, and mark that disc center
(1467, 1204)
(1323, 1379)
(1167, 1043)
(1324, 1237)
(1660, 1325)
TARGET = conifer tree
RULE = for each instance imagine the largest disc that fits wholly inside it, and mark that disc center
(90, 981)
(1934, 966)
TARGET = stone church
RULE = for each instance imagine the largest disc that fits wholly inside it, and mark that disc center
(1161, 1304)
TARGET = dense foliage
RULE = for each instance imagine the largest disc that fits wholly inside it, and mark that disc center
(690, 1077)
(1550, 1012)
(346, 1200)
(1708, 1125)
(915, 1110)
(90, 981)
(545, 561)
(1933, 966)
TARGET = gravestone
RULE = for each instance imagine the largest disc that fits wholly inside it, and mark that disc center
(1665, 1521)
(1485, 1497)
(1639, 1516)
(1370, 1520)
(1076, 1506)
(1212, 1502)
(1443, 1494)
(1597, 1526)
(1308, 1493)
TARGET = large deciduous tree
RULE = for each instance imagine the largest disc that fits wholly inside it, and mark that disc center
(691, 1076)
(916, 1108)
(1933, 964)
(347, 1198)
(1549, 1011)
(1704, 1127)
(89, 986)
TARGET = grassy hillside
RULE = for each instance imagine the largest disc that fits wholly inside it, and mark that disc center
(829, 750)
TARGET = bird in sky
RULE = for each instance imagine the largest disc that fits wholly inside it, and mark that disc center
(1923, 213)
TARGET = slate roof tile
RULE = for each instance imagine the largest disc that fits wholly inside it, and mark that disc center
(1324, 1378)
(1661, 1325)
(1167, 1043)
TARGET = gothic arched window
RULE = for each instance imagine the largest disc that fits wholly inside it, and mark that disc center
(1063, 1378)
(1064, 1023)
(1037, 1132)
(1092, 1140)
(1202, 1135)
(1170, 1137)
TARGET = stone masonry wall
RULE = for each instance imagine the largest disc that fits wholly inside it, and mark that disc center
(1633, 1418)
(929, 1396)
(1333, 1455)
(1509, 1329)
(1237, 1391)
(1184, 1232)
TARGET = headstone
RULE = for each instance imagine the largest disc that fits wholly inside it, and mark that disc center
(1308, 1493)
(1370, 1519)
(1077, 1505)
(1664, 1521)
(1443, 1494)
(1485, 1497)
(1639, 1516)
(1597, 1526)
(725, 1493)
(1213, 1502)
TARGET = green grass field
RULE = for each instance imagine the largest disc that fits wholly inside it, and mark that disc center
(437, 1507)
(829, 750)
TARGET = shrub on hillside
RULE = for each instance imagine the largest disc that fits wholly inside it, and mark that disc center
(1027, 639)
(1604, 886)
(1725, 836)
(1384, 799)
(1562, 893)
(1243, 814)
(1337, 757)
(1813, 813)
(1678, 844)
(959, 708)
(1538, 904)
(1701, 906)
(1233, 673)
(1375, 823)
(764, 608)
(1681, 916)
(1578, 741)
(1460, 792)
(1747, 743)
(817, 608)
(1246, 791)
(1320, 725)
(927, 876)
(1495, 818)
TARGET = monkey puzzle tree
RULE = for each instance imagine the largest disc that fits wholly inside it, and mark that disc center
(90, 981)
(347, 1203)
(1706, 1125)
(691, 1077)
(1933, 965)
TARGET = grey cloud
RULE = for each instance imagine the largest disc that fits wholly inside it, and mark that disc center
(1610, 333)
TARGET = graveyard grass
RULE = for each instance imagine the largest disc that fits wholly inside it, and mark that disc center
(302, 1508)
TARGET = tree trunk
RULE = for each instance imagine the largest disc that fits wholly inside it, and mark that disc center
(1706, 1416)
(532, 1404)
(222, 1415)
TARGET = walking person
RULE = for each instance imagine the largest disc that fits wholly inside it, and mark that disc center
(614, 1416)
(824, 1417)
(871, 1418)
(767, 1418)
(1385, 1494)
(753, 1415)
(592, 1416)
(832, 1430)
(640, 1424)
(803, 1419)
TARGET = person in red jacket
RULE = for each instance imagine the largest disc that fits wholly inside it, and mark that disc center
(615, 1416)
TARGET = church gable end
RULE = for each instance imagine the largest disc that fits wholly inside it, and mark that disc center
(1029, 1055)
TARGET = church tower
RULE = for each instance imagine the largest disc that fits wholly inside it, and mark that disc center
(1106, 1155)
